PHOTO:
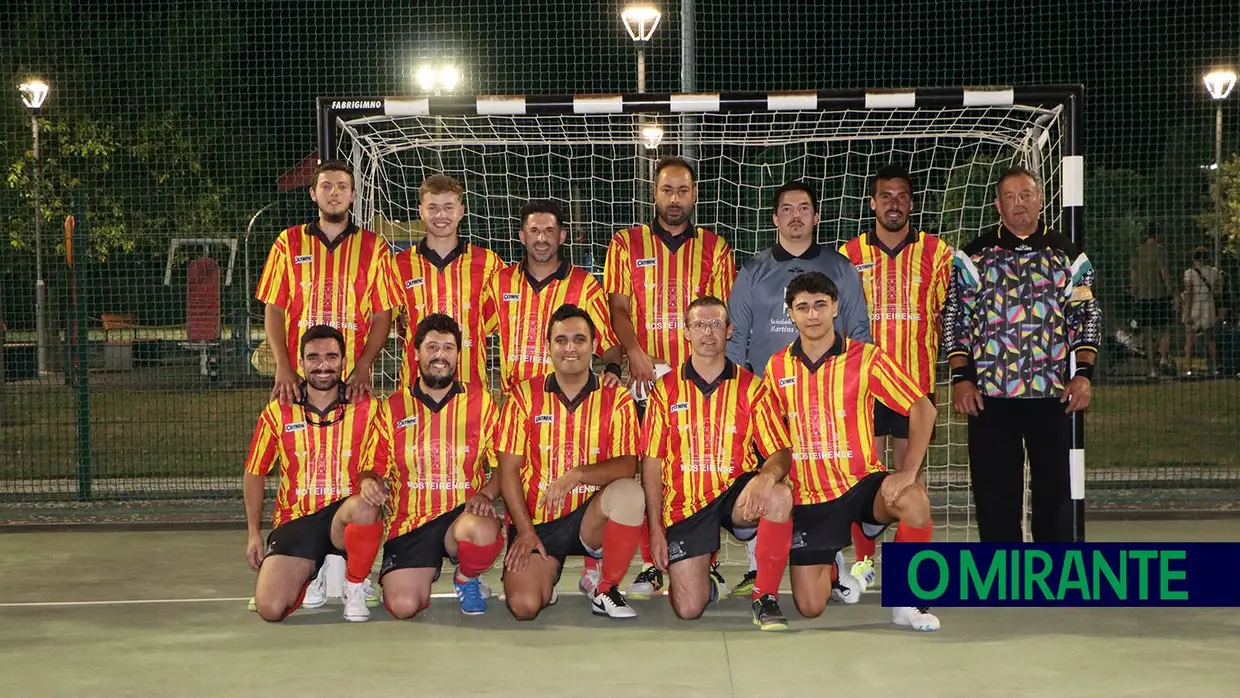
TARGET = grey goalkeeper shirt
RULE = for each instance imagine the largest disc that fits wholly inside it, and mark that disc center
(756, 306)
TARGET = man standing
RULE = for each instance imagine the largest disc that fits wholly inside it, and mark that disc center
(1020, 300)
(329, 272)
(905, 274)
(446, 274)
(756, 306)
(652, 273)
(1151, 289)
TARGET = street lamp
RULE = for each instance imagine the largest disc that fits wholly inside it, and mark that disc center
(34, 94)
(640, 21)
(1219, 84)
(437, 78)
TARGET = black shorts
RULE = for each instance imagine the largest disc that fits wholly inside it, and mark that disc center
(1153, 312)
(699, 534)
(421, 547)
(819, 531)
(562, 537)
(309, 537)
(888, 421)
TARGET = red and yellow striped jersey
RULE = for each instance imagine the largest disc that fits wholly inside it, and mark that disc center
(905, 289)
(454, 285)
(706, 433)
(434, 455)
(318, 453)
(662, 274)
(555, 434)
(340, 283)
(830, 409)
(524, 306)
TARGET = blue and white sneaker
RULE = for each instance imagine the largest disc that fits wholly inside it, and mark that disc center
(470, 595)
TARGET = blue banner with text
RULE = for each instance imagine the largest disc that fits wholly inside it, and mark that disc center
(1061, 574)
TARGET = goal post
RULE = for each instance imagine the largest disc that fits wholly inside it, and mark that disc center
(592, 154)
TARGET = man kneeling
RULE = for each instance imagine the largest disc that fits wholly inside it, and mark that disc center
(827, 385)
(567, 451)
(702, 425)
(429, 446)
(317, 441)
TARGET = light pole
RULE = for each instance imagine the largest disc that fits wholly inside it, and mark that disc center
(1219, 84)
(640, 21)
(34, 93)
(436, 78)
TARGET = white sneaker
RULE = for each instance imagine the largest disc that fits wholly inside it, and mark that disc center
(373, 596)
(863, 570)
(555, 597)
(355, 602)
(588, 584)
(847, 589)
(316, 593)
(484, 589)
(611, 604)
(915, 618)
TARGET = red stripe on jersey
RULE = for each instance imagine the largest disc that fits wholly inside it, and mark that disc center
(661, 283)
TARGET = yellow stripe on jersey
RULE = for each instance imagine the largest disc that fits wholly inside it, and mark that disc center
(662, 275)
(455, 285)
(340, 283)
(434, 456)
(905, 292)
(706, 433)
(554, 435)
(830, 410)
(523, 307)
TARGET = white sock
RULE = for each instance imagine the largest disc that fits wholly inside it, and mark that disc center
(749, 548)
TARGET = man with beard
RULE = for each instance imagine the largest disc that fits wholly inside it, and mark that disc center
(428, 450)
(445, 273)
(760, 316)
(652, 273)
(317, 442)
(567, 450)
(525, 295)
(329, 272)
(905, 274)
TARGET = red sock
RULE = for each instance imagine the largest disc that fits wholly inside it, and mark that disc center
(476, 559)
(591, 565)
(645, 541)
(361, 542)
(864, 547)
(771, 553)
(619, 544)
(300, 597)
(909, 534)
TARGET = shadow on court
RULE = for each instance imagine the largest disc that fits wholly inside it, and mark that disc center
(136, 613)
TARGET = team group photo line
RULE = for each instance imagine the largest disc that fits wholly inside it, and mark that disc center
(789, 403)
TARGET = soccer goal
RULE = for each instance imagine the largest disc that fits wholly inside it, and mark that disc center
(593, 154)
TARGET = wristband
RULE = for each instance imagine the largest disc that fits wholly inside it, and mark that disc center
(1085, 371)
(613, 368)
(964, 373)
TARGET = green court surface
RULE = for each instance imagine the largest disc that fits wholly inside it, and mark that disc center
(164, 613)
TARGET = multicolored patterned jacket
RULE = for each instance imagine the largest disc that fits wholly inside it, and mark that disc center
(1016, 307)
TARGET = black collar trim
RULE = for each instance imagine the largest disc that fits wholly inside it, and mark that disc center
(1039, 240)
(782, 255)
(871, 238)
(327, 416)
(689, 373)
(673, 242)
(426, 399)
(424, 250)
(836, 349)
(560, 274)
(551, 385)
(315, 231)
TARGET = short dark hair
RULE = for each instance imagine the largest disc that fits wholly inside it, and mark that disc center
(331, 166)
(569, 311)
(675, 161)
(708, 302)
(1017, 171)
(437, 322)
(1201, 254)
(810, 282)
(794, 185)
(321, 332)
(542, 206)
(890, 171)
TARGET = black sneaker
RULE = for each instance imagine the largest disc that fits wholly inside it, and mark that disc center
(611, 604)
(745, 588)
(720, 590)
(649, 581)
(766, 613)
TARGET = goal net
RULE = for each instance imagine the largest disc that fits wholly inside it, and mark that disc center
(594, 155)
